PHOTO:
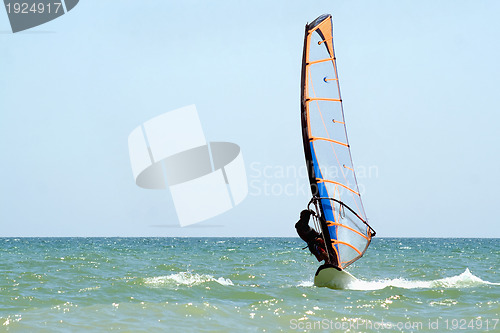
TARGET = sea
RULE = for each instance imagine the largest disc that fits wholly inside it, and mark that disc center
(245, 285)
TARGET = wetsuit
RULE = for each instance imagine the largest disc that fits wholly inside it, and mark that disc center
(313, 239)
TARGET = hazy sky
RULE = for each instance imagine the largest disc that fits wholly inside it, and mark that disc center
(419, 81)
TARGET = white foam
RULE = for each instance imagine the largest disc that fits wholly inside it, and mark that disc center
(186, 278)
(305, 284)
(464, 280)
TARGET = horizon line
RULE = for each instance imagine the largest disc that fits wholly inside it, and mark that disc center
(385, 237)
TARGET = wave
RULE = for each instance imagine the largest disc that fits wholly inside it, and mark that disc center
(186, 278)
(464, 280)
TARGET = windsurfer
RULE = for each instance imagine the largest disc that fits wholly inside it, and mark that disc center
(314, 240)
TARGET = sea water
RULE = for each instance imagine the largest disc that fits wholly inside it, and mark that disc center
(244, 285)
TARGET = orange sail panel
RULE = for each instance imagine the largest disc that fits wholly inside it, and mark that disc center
(328, 155)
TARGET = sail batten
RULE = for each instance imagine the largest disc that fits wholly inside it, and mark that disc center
(331, 172)
(319, 61)
(310, 99)
(329, 140)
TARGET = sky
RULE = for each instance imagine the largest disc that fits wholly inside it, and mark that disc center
(419, 82)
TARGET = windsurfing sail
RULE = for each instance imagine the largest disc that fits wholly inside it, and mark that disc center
(336, 197)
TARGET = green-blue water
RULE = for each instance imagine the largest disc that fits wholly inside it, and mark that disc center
(244, 284)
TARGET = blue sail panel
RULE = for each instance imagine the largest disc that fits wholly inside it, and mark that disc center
(325, 203)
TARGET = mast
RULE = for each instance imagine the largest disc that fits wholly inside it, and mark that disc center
(307, 147)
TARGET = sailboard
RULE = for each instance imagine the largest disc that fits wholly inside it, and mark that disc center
(336, 200)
